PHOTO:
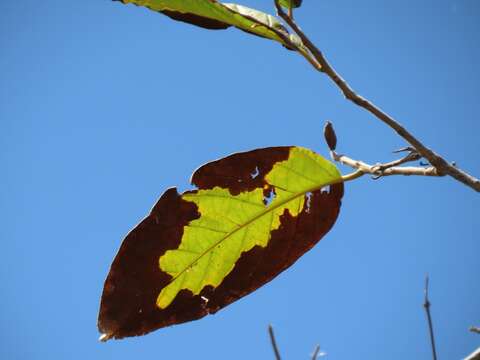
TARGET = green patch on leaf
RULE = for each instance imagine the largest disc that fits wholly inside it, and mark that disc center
(291, 3)
(230, 225)
(252, 216)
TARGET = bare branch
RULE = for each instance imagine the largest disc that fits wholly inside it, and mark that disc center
(475, 329)
(378, 170)
(274, 343)
(321, 64)
(386, 169)
(474, 356)
(412, 156)
(426, 305)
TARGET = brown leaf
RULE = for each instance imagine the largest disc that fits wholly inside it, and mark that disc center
(129, 300)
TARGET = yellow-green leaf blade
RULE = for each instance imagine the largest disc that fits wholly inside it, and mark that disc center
(242, 214)
(213, 14)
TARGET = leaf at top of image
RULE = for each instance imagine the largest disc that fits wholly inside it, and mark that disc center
(291, 3)
(215, 15)
(252, 215)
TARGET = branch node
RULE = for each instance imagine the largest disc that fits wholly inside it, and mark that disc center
(387, 169)
(404, 149)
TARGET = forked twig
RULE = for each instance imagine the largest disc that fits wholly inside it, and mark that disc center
(318, 60)
(411, 156)
(316, 352)
(274, 343)
(378, 170)
(426, 305)
(381, 170)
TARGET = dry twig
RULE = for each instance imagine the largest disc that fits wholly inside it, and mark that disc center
(318, 60)
(386, 169)
(378, 170)
(316, 352)
(474, 356)
(274, 343)
(426, 305)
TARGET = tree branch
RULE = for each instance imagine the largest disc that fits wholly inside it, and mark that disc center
(321, 64)
(475, 329)
(378, 170)
(474, 356)
(426, 305)
(316, 352)
(386, 169)
(274, 343)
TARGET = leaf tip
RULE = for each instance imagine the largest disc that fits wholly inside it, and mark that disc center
(104, 337)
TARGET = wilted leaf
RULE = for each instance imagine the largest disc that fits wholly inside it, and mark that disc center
(212, 14)
(253, 215)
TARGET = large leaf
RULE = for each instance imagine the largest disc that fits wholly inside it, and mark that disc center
(253, 215)
(212, 14)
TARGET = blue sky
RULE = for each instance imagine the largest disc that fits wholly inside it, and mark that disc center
(103, 106)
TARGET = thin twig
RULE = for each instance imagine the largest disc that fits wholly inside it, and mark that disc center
(386, 169)
(474, 356)
(442, 166)
(274, 343)
(316, 352)
(475, 329)
(377, 170)
(412, 156)
(426, 305)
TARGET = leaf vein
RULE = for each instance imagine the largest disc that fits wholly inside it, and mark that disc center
(297, 173)
(230, 198)
(207, 228)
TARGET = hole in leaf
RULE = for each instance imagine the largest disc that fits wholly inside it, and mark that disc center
(308, 197)
(255, 173)
(326, 189)
(268, 196)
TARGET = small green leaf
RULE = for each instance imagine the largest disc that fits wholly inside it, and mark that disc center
(212, 14)
(253, 215)
(291, 3)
